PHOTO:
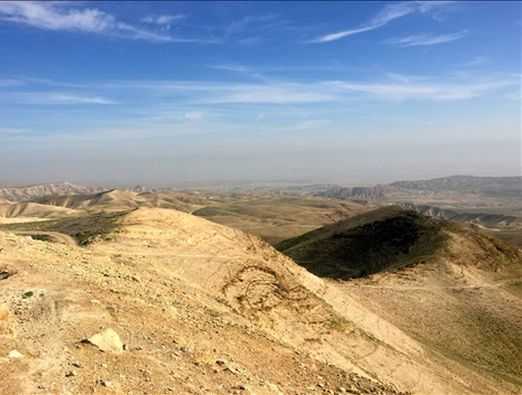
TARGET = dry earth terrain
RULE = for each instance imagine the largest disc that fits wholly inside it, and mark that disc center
(120, 292)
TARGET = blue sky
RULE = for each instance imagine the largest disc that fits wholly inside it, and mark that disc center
(352, 92)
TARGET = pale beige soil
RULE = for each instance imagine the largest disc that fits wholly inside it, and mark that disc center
(202, 308)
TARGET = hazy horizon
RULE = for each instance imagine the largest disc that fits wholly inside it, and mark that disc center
(166, 93)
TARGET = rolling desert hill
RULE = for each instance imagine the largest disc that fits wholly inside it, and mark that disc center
(490, 220)
(377, 192)
(496, 186)
(32, 210)
(203, 308)
(499, 187)
(453, 288)
(269, 216)
(494, 203)
(117, 200)
(276, 218)
(32, 192)
(111, 199)
(387, 238)
(199, 307)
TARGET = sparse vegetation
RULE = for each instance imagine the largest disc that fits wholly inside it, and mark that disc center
(391, 281)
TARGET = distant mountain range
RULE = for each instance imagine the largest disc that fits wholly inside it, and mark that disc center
(504, 186)
(485, 219)
(354, 193)
(30, 192)
(39, 191)
(488, 186)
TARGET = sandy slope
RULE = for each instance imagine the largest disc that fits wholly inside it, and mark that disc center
(32, 210)
(115, 200)
(166, 282)
(202, 308)
(31, 192)
(454, 290)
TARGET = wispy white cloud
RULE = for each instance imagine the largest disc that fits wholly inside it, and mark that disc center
(254, 29)
(232, 67)
(61, 17)
(425, 91)
(476, 61)
(397, 87)
(406, 78)
(195, 94)
(385, 16)
(272, 94)
(426, 39)
(163, 19)
(50, 82)
(53, 17)
(251, 22)
(54, 98)
(237, 68)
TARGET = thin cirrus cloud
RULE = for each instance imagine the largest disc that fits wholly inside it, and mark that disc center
(418, 40)
(424, 91)
(237, 68)
(60, 17)
(388, 14)
(54, 98)
(394, 87)
(163, 19)
(401, 88)
(476, 61)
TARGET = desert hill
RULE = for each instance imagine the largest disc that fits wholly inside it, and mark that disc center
(502, 186)
(386, 239)
(31, 192)
(365, 244)
(200, 308)
(112, 199)
(451, 287)
(33, 210)
(117, 200)
(377, 192)
(276, 218)
(491, 220)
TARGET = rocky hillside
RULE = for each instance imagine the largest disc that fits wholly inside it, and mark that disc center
(32, 210)
(496, 186)
(480, 218)
(32, 192)
(117, 199)
(380, 240)
(354, 193)
(385, 239)
(159, 301)
(499, 187)
(453, 288)
(165, 302)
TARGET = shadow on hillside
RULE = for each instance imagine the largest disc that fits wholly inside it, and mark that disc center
(384, 245)
(84, 229)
